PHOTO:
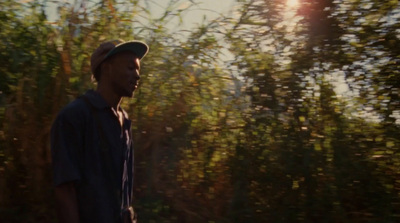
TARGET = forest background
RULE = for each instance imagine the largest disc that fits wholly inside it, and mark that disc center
(275, 112)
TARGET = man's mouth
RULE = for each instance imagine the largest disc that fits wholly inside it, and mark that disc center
(134, 85)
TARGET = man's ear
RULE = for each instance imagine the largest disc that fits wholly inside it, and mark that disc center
(106, 69)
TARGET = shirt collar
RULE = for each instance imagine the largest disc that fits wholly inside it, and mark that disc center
(98, 102)
(96, 99)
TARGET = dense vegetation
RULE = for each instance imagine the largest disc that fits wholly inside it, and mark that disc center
(271, 114)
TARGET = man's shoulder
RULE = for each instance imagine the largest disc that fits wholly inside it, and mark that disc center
(77, 109)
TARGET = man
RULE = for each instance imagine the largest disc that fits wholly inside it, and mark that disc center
(91, 141)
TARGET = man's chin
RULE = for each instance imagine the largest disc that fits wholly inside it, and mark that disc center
(129, 94)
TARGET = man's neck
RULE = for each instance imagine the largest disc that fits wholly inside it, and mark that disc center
(110, 97)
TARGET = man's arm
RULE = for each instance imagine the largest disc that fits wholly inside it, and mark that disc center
(66, 201)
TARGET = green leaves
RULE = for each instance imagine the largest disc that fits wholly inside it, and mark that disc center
(237, 120)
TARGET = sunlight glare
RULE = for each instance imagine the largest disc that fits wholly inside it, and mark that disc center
(292, 3)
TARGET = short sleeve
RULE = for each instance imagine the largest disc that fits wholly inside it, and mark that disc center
(66, 142)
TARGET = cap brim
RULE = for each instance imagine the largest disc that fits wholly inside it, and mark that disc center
(139, 48)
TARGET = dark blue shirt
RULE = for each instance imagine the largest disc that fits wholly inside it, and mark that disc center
(76, 147)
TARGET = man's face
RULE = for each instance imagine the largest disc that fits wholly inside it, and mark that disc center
(124, 73)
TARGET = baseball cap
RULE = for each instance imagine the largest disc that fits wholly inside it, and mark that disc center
(109, 48)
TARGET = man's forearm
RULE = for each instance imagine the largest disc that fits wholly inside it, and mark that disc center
(67, 205)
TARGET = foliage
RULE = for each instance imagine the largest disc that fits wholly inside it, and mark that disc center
(264, 135)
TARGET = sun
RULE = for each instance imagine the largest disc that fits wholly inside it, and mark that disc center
(292, 3)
